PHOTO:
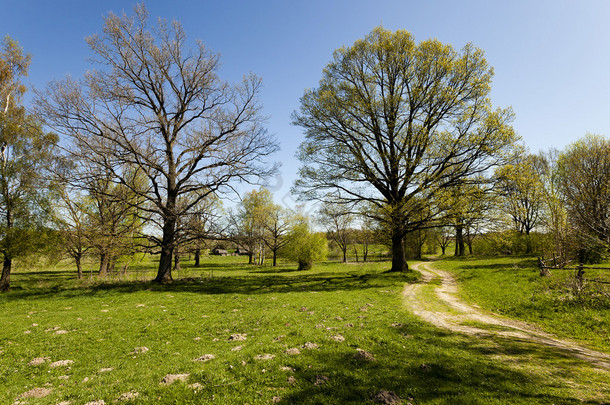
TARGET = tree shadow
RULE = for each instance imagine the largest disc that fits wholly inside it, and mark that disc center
(252, 282)
(453, 369)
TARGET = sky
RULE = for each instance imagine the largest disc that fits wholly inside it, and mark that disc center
(551, 58)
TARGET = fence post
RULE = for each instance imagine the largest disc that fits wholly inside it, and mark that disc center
(544, 271)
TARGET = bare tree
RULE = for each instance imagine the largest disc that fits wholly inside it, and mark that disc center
(337, 220)
(159, 107)
(277, 228)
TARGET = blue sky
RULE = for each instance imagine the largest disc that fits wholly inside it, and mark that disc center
(551, 58)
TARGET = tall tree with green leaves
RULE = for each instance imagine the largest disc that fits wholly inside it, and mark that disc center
(392, 122)
(25, 154)
(584, 168)
(159, 107)
(520, 185)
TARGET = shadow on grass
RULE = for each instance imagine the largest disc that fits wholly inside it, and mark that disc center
(277, 281)
(444, 368)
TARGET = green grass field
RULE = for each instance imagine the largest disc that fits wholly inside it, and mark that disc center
(336, 334)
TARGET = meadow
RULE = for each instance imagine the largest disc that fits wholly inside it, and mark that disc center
(232, 333)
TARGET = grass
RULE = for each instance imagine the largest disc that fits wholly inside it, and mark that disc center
(276, 309)
(512, 286)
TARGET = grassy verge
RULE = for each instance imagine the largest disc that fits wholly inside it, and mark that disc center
(276, 335)
(513, 287)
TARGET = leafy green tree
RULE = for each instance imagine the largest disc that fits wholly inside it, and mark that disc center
(522, 190)
(304, 246)
(251, 221)
(584, 171)
(25, 154)
(392, 122)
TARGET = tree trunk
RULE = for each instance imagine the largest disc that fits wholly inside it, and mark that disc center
(5, 280)
(177, 260)
(197, 257)
(79, 266)
(344, 249)
(399, 259)
(274, 257)
(104, 259)
(164, 272)
(459, 241)
(443, 247)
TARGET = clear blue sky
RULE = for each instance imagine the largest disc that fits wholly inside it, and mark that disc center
(551, 58)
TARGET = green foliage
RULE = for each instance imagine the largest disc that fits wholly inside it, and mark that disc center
(305, 247)
(510, 243)
(584, 179)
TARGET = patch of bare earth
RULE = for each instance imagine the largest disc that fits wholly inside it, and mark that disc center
(36, 393)
(172, 378)
(459, 313)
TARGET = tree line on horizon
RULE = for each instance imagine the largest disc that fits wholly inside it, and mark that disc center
(402, 147)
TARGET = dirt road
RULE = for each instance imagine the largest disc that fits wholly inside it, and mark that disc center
(435, 300)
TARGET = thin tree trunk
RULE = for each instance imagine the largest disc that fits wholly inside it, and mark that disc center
(5, 280)
(275, 257)
(79, 266)
(176, 260)
(197, 257)
(344, 249)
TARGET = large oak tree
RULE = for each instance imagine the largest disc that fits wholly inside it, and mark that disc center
(393, 121)
(159, 108)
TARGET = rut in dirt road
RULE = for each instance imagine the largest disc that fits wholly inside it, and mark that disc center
(439, 305)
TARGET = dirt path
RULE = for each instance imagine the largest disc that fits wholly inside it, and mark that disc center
(438, 304)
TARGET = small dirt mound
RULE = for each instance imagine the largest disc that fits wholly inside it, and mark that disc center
(310, 346)
(388, 398)
(292, 351)
(237, 337)
(205, 357)
(363, 355)
(38, 361)
(139, 350)
(172, 378)
(338, 338)
(36, 393)
(61, 363)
